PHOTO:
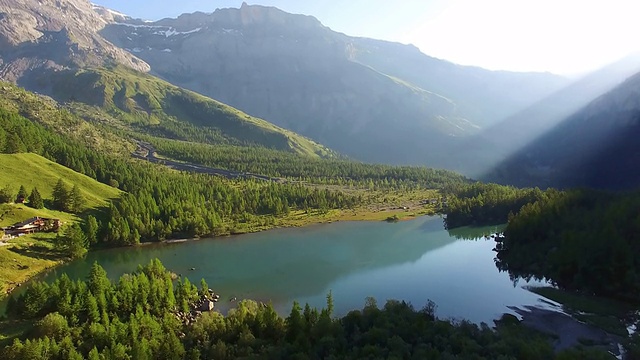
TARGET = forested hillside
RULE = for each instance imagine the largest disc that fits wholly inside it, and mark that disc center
(191, 204)
(159, 203)
(122, 97)
(581, 240)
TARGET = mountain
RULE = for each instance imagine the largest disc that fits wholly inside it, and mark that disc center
(42, 35)
(372, 100)
(496, 143)
(146, 104)
(55, 48)
(597, 146)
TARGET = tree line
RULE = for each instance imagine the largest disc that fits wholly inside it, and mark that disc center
(582, 240)
(480, 204)
(137, 317)
(332, 171)
(63, 198)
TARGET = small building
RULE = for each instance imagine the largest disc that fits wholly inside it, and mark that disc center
(33, 225)
(20, 200)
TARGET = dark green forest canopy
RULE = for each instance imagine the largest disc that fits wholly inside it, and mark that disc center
(581, 239)
(276, 163)
(480, 204)
(139, 317)
(584, 240)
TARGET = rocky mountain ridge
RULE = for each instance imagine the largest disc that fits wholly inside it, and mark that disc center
(355, 95)
(37, 36)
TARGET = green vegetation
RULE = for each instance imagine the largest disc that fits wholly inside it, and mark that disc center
(33, 171)
(488, 204)
(25, 257)
(142, 316)
(52, 117)
(35, 199)
(122, 97)
(321, 171)
(581, 240)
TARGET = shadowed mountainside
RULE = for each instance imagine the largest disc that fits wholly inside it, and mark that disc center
(596, 146)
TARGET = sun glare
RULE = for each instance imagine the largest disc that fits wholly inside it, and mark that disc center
(565, 37)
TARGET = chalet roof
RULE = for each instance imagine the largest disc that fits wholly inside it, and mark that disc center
(26, 222)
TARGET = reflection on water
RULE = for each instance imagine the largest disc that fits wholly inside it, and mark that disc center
(475, 233)
(411, 260)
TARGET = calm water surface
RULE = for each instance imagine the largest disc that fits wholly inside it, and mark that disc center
(412, 260)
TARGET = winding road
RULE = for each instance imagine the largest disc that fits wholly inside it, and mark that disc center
(147, 152)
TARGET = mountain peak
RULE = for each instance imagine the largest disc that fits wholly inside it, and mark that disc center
(56, 33)
(109, 15)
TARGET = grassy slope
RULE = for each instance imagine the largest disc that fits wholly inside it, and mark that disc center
(33, 170)
(27, 256)
(123, 97)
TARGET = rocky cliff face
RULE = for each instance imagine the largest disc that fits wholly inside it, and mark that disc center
(40, 35)
(372, 100)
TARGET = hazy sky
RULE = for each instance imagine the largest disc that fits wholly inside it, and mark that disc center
(560, 36)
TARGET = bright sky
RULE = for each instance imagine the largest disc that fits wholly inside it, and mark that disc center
(560, 36)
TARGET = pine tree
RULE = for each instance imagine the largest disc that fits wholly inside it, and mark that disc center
(22, 194)
(73, 242)
(91, 229)
(6, 195)
(35, 200)
(14, 144)
(76, 200)
(61, 196)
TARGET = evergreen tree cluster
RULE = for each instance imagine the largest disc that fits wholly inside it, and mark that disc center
(488, 204)
(67, 200)
(135, 318)
(276, 163)
(34, 199)
(581, 240)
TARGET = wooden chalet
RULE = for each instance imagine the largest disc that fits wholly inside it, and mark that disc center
(33, 225)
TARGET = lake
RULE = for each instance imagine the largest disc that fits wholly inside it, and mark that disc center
(413, 261)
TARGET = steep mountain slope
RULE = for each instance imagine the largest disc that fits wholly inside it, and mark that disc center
(484, 96)
(371, 100)
(596, 146)
(147, 104)
(498, 142)
(37, 35)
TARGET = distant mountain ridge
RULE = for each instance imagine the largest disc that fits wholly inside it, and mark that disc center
(373, 100)
(597, 146)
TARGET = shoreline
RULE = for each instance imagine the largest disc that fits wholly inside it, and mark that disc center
(316, 220)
